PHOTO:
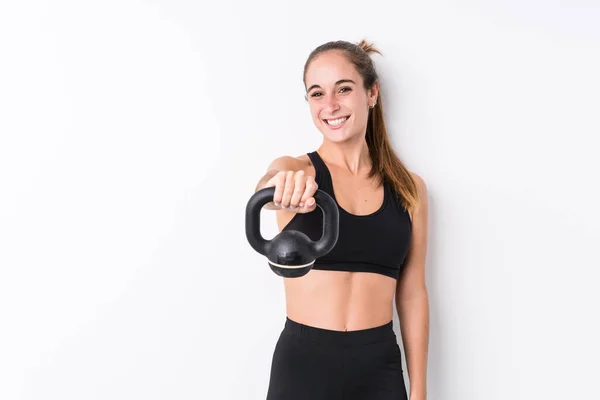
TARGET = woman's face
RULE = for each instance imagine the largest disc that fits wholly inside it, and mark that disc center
(338, 102)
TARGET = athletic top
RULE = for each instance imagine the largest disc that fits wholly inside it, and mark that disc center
(377, 242)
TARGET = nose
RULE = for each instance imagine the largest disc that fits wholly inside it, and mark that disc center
(332, 105)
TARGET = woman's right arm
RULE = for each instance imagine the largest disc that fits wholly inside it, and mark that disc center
(294, 189)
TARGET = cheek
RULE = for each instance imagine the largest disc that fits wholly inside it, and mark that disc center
(358, 106)
(314, 112)
(356, 103)
(361, 113)
(360, 103)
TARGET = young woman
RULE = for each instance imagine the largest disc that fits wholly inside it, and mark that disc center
(338, 340)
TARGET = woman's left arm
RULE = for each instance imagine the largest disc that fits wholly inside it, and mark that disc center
(412, 301)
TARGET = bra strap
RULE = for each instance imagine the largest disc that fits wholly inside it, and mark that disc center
(322, 175)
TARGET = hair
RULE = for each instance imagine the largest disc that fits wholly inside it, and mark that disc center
(386, 164)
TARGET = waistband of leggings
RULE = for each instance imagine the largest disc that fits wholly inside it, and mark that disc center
(363, 336)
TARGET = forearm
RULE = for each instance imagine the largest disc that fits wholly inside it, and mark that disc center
(264, 179)
(261, 185)
(414, 325)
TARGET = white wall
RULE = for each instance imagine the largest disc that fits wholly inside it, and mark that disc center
(133, 133)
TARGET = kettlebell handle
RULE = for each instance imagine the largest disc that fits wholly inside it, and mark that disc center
(324, 201)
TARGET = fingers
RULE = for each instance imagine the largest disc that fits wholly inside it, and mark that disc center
(299, 185)
(294, 191)
(307, 201)
(288, 189)
(278, 181)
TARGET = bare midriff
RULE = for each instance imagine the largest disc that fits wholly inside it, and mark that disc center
(340, 300)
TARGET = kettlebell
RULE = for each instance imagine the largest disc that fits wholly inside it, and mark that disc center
(291, 253)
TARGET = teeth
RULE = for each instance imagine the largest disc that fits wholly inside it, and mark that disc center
(336, 121)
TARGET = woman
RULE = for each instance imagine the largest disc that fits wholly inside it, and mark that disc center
(338, 340)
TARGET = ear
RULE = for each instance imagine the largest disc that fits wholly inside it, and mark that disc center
(373, 93)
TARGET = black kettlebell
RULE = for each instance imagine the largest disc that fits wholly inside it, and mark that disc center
(291, 254)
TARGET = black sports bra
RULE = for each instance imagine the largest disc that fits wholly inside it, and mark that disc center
(377, 242)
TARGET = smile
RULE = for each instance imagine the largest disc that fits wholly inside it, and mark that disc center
(336, 122)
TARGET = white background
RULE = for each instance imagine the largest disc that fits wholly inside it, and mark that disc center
(133, 134)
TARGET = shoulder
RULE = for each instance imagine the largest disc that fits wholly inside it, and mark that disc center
(419, 182)
(421, 186)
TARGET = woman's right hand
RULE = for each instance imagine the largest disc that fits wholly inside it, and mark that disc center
(294, 191)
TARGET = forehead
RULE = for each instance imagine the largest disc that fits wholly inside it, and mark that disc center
(328, 68)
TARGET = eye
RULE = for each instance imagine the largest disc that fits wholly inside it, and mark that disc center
(344, 89)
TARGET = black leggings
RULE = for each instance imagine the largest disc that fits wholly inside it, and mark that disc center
(312, 363)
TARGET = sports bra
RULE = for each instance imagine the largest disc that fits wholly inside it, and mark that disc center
(376, 242)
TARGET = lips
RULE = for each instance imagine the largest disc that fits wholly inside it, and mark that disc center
(335, 123)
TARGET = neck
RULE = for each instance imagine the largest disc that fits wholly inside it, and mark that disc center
(352, 155)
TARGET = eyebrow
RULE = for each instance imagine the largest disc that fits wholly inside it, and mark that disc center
(337, 83)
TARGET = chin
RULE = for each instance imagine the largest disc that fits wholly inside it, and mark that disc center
(338, 136)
